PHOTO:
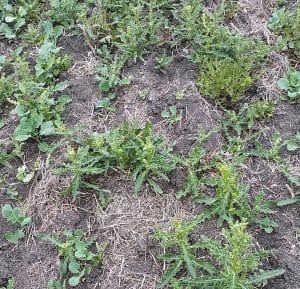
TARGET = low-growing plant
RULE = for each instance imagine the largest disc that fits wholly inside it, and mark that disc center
(172, 115)
(232, 200)
(33, 95)
(238, 126)
(16, 15)
(185, 257)
(109, 74)
(290, 82)
(128, 148)
(10, 284)
(286, 24)
(293, 144)
(24, 175)
(227, 70)
(77, 257)
(14, 216)
(238, 262)
(163, 62)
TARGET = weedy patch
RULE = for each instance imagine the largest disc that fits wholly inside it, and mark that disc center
(286, 24)
(15, 17)
(163, 62)
(77, 258)
(238, 262)
(226, 68)
(232, 200)
(14, 216)
(33, 94)
(130, 149)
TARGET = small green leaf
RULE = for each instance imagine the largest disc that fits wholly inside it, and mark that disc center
(74, 267)
(14, 237)
(288, 201)
(9, 19)
(74, 281)
(61, 86)
(283, 84)
(104, 86)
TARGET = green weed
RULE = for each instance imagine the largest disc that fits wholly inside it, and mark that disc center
(163, 62)
(238, 263)
(76, 256)
(172, 115)
(227, 70)
(14, 216)
(286, 24)
(290, 82)
(15, 16)
(33, 94)
(131, 149)
(10, 284)
(293, 144)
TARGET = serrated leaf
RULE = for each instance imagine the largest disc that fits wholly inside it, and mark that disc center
(261, 278)
(170, 273)
(288, 201)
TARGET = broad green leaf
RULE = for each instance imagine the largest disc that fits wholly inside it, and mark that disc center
(74, 267)
(28, 177)
(47, 128)
(104, 86)
(283, 83)
(19, 23)
(74, 281)
(9, 19)
(14, 237)
(61, 86)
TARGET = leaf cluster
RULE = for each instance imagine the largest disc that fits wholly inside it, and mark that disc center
(128, 148)
(76, 256)
(227, 69)
(238, 262)
(35, 94)
(14, 216)
(290, 82)
(286, 24)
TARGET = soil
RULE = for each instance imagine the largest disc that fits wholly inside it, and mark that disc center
(127, 223)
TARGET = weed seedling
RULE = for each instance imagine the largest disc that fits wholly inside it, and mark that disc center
(76, 256)
(172, 115)
(163, 62)
(10, 284)
(293, 144)
(14, 216)
(290, 82)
